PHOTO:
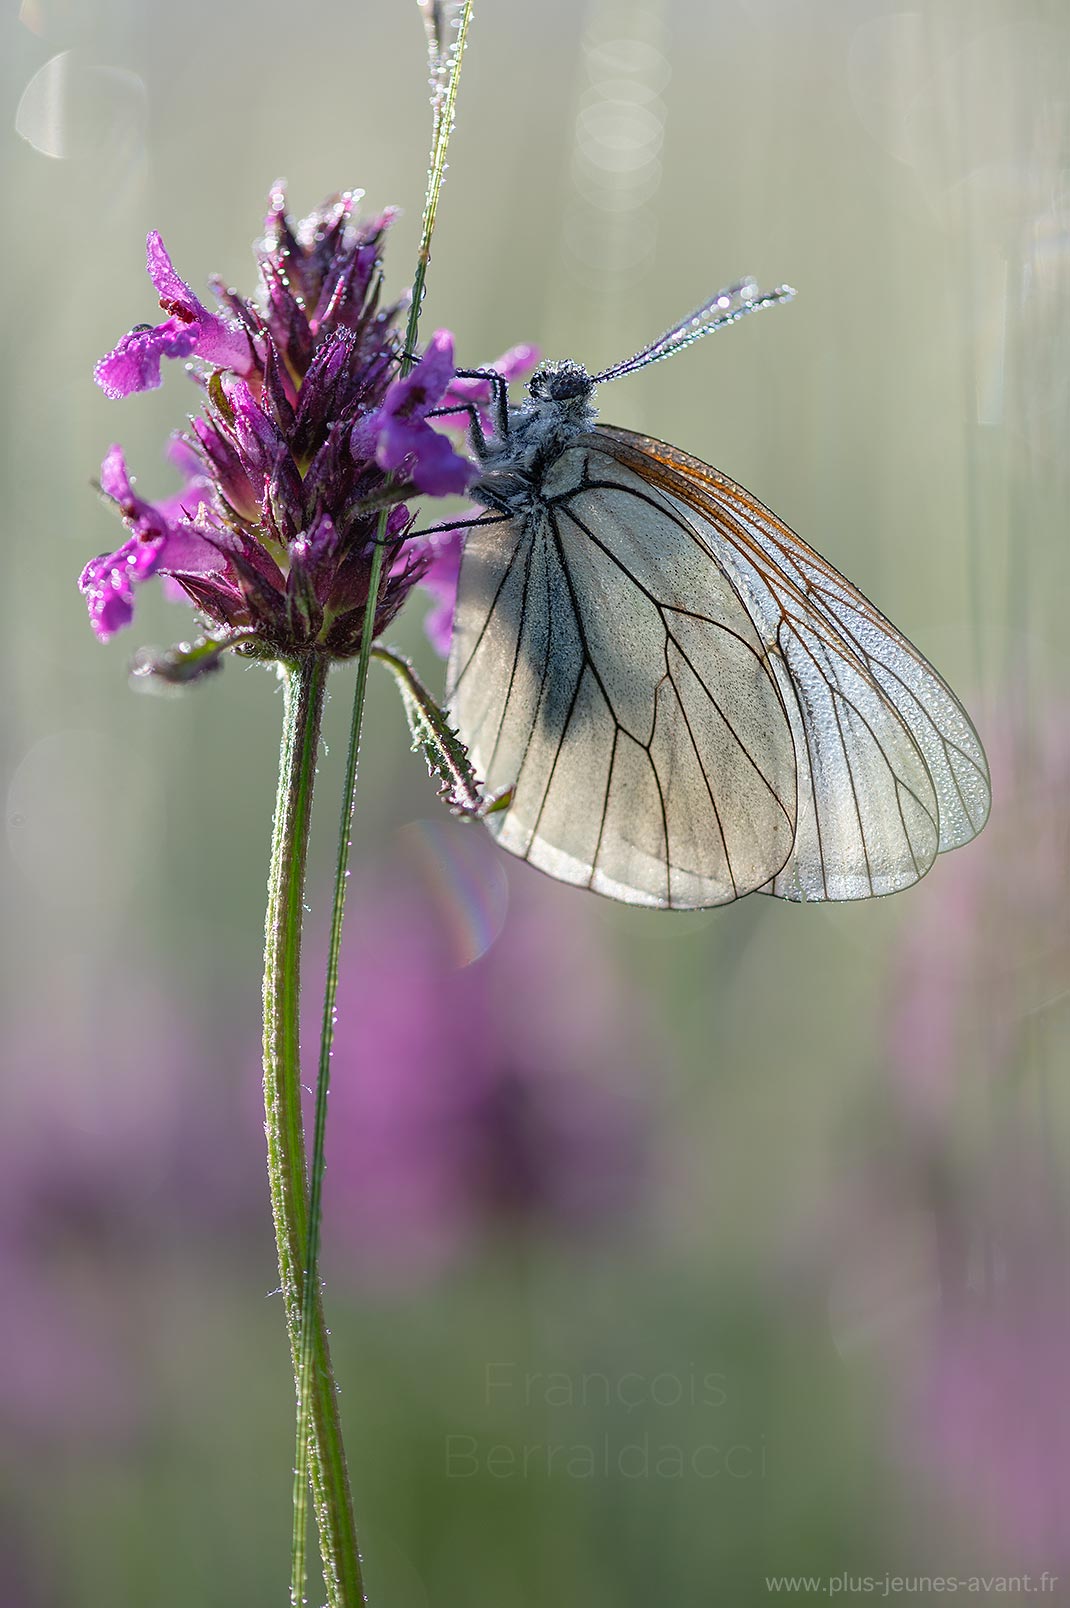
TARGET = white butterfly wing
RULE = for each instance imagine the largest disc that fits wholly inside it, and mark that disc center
(607, 670)
(890, 769)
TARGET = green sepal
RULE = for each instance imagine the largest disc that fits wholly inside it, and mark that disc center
(446, 755)
(186, 661)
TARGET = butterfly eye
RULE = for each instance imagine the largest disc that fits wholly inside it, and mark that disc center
(559, 382)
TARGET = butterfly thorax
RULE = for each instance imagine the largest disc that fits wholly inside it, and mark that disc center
(558, 411)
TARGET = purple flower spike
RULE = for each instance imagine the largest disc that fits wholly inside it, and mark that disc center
(304, 436)
(406, 438)
(134, 365)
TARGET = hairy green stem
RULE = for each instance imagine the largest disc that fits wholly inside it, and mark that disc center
(445, 111)
(306, 1359)
(304, 686)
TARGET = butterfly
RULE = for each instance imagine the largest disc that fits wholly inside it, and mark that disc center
(679, 701)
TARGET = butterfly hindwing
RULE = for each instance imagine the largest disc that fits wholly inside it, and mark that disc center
(890, 769)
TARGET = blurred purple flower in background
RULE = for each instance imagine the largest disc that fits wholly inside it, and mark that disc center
(991, 1412)
(474, 1101)
(948, 1240)
(979, 973)
(97, 1123)
(306, 435)
(989, 947)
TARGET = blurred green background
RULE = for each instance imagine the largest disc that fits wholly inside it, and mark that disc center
(665, 1254)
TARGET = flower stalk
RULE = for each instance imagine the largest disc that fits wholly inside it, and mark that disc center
(292, 539)
(304, 686)
(444, 101)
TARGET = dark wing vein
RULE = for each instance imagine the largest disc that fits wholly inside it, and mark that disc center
(544, 680)
(670, 637)
(455, 680)
(517, 644)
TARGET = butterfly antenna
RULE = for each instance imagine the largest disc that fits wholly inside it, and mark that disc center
(728, 306)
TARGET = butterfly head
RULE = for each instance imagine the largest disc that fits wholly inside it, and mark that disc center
(558, 410)
(560, 382)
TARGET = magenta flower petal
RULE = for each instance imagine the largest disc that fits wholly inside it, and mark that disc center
(438, 622)
(440, 579)
(168, 521)
(518, 362)
(214, 339)
(436, 468)
(186, 552)
(114, 476)
(515, 364)
(406, 439)
(157, 542)
(144, 518)
(173, 590)
(426, 384)
(107, 583)
(134, 365)
(181, 452)
(175, 295)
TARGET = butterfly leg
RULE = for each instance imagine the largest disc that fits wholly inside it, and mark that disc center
(475, 425)
(500, 389)
(458, 524)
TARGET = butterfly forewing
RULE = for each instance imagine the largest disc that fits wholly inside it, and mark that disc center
(890, 770)
(606, 668)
